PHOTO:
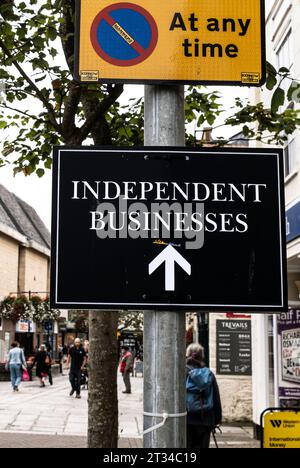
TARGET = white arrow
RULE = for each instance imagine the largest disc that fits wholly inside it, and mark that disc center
(170, 256)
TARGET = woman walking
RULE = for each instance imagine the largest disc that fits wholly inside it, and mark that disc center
(15, 364)
(42, 366)
(204, 409)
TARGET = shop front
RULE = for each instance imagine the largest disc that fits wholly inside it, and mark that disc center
(50, 336)
(288, 336)
(24, 335)
(134, 341)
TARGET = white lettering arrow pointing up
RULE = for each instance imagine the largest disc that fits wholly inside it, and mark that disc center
(170, 256)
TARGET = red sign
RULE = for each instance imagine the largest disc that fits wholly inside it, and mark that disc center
(231, 315)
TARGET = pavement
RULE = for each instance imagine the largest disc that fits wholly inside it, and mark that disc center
(49, 417)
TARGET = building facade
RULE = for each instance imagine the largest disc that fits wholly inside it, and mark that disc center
(24, 272)
(276, 338)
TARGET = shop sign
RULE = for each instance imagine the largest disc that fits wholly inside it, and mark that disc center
(168, 228)
(234, 355)
(25, 326)
(293, 222)
(289, 369)
(281, 429)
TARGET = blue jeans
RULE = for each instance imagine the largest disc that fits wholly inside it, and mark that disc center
(15, 374)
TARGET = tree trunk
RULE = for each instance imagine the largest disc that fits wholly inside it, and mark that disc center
(103, 396)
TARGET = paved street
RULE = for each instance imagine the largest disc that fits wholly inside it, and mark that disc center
(52, 411)
(50, 418)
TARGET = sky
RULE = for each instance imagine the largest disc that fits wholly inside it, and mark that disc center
(38, 191)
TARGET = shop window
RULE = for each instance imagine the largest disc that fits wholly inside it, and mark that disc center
(285, 57)
(290, 158)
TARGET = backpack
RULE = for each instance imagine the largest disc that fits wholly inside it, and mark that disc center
(199, 386)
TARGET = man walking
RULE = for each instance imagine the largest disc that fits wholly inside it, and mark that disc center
(126, 367)
(77, 358)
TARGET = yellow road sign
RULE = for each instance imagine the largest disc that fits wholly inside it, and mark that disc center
(186, 41)
(281, 429)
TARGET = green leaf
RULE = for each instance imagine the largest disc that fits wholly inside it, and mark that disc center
(271, 82)
(270, 69)
(51, 34)
(284, 70)
(246, 130)
(277, 100)
(40, 172)
(294, 92)
(271, 77)
(210, 119)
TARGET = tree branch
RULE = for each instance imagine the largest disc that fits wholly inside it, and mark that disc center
(71, 107)
(67, 31)
(39, 94)
(4, 106)
(114, 93)
(100, 131)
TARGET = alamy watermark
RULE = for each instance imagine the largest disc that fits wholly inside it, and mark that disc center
(155, 221)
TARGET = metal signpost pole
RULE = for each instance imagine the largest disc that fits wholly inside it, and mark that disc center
(164, 332)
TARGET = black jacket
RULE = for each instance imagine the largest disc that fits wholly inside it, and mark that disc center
(209, 418)
(40, 361)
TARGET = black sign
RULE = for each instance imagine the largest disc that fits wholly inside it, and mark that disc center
(128, 339)
(234, 347)
(48, 326)
(168, 228)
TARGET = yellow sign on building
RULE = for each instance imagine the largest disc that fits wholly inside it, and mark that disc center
(156, 41)
(281, 429)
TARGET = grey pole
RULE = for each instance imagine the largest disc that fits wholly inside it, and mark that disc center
(164, 332)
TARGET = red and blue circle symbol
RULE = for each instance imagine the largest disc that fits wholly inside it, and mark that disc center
(124, 34)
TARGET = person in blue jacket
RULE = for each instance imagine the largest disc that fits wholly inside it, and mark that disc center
(15, 364)
(204, 409)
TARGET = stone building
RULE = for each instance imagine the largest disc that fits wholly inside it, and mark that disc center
(276, 380)
(24, 268)
(228, 354)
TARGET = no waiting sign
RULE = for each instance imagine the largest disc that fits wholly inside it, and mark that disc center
(168, 228)
(199, 41)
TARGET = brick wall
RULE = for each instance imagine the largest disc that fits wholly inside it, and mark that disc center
(9, 259)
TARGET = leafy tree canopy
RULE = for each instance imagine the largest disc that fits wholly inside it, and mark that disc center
(43, 105)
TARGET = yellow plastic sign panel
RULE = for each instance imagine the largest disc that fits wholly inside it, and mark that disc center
(159, 41)
(282, 429)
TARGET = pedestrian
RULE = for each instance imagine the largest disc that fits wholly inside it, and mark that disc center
(60, 360)
(48, 362)
(48, 347)
(126, 367)
(204, 409)
(76, 362)
(85, 374)
(15, 364)
(86, 346)
(42, 365)
(30, 361)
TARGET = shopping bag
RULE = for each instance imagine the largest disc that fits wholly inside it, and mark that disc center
(25, 376)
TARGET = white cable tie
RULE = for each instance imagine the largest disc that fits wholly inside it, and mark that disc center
(164, 416)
